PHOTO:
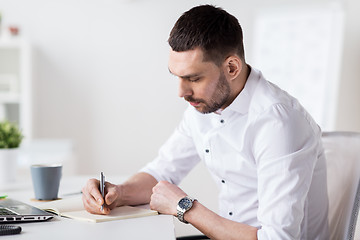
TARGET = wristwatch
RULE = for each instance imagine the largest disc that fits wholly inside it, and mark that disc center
(184, 205)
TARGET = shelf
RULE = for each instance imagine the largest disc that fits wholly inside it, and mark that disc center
(12, 43)
(16, 82)
(9, 98)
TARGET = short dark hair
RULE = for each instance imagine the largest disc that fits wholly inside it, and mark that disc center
(211, 28)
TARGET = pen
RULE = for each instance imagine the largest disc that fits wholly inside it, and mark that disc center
(102, 188)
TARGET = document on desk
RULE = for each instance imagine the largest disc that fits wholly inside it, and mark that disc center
(73, 208)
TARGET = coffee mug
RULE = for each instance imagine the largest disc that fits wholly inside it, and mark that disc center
(46, 181)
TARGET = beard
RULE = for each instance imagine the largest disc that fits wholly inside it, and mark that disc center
(218, 98)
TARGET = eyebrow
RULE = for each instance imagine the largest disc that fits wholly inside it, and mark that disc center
(186, 76)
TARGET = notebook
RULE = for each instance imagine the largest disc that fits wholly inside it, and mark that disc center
(73, 208)
(15, 211)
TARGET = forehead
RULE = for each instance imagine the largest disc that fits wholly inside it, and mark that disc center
(188, 62)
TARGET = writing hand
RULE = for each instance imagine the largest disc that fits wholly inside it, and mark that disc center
(93, 200)
(165, 198)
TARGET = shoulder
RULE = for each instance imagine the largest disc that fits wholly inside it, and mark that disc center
(271, 102)
(274, 111)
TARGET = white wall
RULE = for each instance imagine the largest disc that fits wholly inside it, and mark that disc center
(101, 76)
(348, 105)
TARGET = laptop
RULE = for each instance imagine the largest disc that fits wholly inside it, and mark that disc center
(12, 211)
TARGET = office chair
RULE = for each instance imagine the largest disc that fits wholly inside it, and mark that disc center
(342, 150)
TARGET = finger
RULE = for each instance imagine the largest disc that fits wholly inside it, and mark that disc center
(93, 189)
(91, 195)
(105, 211)
(90, 205)
(152, 202)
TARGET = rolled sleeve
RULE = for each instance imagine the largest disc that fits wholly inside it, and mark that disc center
(286, 155)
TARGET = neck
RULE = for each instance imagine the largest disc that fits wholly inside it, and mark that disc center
(240, 82)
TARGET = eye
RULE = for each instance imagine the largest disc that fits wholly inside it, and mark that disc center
(193, 79)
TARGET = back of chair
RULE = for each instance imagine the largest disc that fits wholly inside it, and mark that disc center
(342, 150)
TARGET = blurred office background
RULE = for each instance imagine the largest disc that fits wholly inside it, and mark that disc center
(98, 69)
(95, 88)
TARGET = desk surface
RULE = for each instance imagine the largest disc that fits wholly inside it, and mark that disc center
(160, 227)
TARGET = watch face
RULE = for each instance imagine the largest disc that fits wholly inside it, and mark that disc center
(185, 203)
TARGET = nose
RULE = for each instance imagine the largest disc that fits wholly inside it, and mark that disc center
(184, 88)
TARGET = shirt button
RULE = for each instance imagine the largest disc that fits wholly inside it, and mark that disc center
(223, 181)
(207, 150)
(222, 120)
(230, 213)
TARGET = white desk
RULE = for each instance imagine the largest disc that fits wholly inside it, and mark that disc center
(159, 227)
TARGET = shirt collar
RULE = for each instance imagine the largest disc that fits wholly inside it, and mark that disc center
(242, 101)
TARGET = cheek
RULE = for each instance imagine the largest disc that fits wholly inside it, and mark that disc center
(205, 90)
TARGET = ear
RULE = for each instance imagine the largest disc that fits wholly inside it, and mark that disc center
(232, 67)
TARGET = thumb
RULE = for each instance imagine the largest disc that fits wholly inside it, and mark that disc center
(110, 198)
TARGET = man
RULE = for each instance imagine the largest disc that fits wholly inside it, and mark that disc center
(260, 145)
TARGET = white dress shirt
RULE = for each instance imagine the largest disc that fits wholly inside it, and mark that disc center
(265, 154)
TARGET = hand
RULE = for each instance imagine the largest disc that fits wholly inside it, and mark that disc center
(93, 200)
(165, 198)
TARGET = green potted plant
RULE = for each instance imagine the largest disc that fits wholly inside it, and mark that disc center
(10, 140)
(10, 135)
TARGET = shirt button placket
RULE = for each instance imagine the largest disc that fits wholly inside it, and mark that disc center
(224, 185)
(207, 153)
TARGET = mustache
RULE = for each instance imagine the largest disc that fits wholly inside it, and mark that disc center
(191, 99)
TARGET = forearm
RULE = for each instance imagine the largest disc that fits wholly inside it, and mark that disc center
(136, 190)
(216, 227)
